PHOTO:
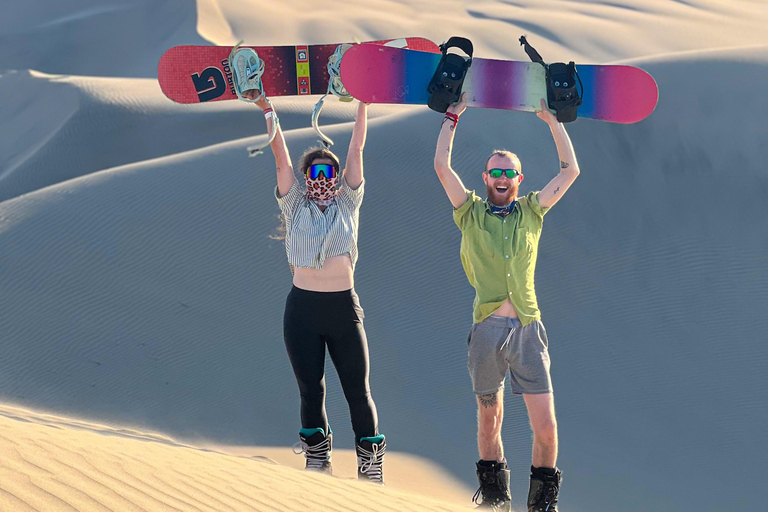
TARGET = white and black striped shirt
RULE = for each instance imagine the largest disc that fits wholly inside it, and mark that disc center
(312, 236)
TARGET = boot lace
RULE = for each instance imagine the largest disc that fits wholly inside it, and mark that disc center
(546, 497)
(370, 462)
(488, 493)
(317, 456)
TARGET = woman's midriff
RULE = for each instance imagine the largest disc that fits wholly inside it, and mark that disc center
(335, 276)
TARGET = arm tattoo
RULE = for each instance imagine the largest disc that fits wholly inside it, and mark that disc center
(489, 400)
(564, 165)
(557, 190)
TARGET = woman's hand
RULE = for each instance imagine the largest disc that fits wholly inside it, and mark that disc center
(262, 102)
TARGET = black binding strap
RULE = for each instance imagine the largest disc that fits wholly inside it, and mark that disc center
(531, 51)
(445, 86)
(562, 94)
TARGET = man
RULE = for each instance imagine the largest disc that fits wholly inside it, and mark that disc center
(500, 238)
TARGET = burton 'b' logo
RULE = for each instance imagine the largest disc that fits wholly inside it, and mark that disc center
(210, 84)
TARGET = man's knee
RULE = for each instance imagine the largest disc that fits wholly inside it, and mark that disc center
(546, 432)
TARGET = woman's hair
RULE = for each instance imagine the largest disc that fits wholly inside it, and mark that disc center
(305, 161)
(313, 154)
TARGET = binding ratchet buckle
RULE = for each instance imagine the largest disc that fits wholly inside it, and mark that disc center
(445, 86)
(562, 94)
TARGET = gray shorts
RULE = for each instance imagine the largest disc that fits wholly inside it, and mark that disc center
(498, 344)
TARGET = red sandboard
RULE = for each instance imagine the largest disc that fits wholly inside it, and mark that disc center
(196, 74)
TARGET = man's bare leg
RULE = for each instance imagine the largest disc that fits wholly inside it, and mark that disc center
(490, 413)
(541, 411)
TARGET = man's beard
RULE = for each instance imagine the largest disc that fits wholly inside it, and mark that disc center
(497, 198)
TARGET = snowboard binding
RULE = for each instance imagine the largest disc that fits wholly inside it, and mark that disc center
(247, 69)
(335, 87)
(563, 96)
(445, 86)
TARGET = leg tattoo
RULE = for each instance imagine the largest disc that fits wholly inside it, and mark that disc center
(489, 400)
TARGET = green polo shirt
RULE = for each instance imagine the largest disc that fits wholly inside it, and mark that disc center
(499, 254)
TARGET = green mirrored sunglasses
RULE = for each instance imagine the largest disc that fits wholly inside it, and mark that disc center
(509, 173)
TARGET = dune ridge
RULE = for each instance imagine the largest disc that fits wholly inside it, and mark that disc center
(139, 287)
(51, 463)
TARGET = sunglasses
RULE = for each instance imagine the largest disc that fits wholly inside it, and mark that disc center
(327, 169)
(509, 173)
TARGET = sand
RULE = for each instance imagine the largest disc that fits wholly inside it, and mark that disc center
(139, 287)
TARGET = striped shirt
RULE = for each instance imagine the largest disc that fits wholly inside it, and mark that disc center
(312, 236)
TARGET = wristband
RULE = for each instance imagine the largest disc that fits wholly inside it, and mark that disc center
(452, 117)
(269, 113)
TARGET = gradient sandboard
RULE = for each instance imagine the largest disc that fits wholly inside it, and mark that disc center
(196, 74)
(376, 74)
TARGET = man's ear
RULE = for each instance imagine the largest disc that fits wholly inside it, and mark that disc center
(521, 179)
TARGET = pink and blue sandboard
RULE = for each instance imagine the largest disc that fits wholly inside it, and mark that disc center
(376, 74)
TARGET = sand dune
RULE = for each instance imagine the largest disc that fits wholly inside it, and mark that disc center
(52, 463)
(88, 124)
(597, 31)
(139, 286)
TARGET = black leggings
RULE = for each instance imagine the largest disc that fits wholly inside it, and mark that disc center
(313, 320)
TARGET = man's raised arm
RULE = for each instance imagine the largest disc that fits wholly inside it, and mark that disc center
(448, 177)
(569, 168)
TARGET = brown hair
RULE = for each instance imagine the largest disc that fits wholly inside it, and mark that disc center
(503, 152)
(313, 154)
(305, 161)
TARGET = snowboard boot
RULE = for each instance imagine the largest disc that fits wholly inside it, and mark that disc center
(247, 69)
(545, 486)
(494, 486)
(370, 457)
(316, 447)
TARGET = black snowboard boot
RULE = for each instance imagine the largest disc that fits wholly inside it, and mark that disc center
(316, 447)
(545, 486)
(494, 486)
(370, 457)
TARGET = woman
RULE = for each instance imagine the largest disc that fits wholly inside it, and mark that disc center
(322, 309)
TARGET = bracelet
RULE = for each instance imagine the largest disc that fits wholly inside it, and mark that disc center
(452, 117)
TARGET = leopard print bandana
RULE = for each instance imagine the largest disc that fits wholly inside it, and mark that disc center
(322, 190)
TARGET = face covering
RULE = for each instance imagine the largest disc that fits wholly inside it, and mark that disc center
(322, 190)
(502, 211)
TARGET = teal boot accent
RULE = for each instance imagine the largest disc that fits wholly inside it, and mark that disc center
(373, 440)
(309, 432)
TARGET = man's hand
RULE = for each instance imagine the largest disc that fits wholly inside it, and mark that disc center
(459, 107)
(545, 115)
